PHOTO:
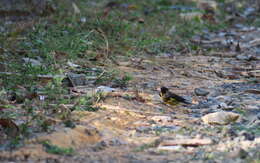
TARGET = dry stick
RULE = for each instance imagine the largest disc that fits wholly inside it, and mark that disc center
(107, 45)
(106, 41)
(100, 31)
(220, 54)
(255, 71)
(100, 75)
(187, 142)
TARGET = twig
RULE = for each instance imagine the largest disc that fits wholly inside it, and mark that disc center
(106, 41)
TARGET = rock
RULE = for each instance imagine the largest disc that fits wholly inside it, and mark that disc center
(171, 148)
(215, 103)
(226, 99)
(249, 11)
(116, 142)
(201, 92)
(230, 133)
(244, 57)
(83, 19)
(244, 28)
(100, 146)
(105, 89)
(247, 135)
(211, 103)
(77, 79)
(224, 106)
(258, 116)
(238, 153)
(220, 118)
(69, 63)
(32, 62)
(156, 98)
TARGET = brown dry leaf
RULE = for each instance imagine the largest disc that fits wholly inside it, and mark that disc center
(132, 7)
(140, 20)
(64, 112)
(138, 97)
(209, 17)
(11, 129)
(59, 55)
(97, 57)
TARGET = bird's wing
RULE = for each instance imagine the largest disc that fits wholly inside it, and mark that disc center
(177, 97)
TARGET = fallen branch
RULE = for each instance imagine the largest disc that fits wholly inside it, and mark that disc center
(186, 142)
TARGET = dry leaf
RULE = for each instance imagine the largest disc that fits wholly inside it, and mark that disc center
(11, 129)
(76, 8)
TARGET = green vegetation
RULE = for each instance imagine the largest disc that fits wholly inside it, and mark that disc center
(53, 149)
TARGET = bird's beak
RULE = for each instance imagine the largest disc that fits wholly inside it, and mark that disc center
(158, 89)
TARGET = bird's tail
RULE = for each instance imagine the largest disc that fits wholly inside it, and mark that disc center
(186, 102)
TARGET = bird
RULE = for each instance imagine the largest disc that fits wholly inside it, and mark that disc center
(171, 98)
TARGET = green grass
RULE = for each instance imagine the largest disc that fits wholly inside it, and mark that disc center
(53, 149)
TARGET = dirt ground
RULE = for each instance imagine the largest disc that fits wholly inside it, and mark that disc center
(131, 130)
(134, 125)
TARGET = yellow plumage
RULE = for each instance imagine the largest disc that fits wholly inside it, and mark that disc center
(171, 98)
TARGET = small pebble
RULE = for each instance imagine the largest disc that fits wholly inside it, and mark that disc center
(201, 92)
(248, 136)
